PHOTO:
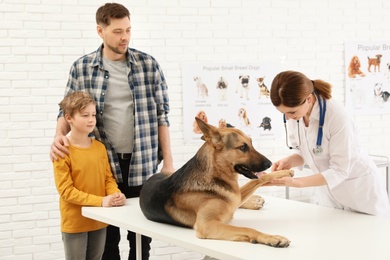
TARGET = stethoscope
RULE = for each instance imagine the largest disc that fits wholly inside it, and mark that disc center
(318, 149)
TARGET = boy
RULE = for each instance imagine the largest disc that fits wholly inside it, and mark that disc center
(83, 178)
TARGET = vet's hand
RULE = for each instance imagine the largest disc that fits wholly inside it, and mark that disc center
(59, 147)
(282, 164)
(285, 181)
(294, 160)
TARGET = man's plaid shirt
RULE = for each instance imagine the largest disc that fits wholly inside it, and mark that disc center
(151, 107)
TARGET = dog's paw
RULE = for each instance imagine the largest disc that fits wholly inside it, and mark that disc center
(276, 175)
(274, 240)
(254, 202)
(283, 173)
(279, 241)
(286, 173)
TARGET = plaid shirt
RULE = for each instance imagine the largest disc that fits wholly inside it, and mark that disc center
(151, 107)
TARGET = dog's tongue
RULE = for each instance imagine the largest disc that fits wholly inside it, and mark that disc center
(259, 174)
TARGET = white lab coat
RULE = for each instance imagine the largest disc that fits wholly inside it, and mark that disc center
(354, 182)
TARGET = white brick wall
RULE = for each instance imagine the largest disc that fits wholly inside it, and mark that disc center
(41, 38)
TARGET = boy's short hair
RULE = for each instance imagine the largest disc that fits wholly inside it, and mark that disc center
(111, 11)
(75, 102)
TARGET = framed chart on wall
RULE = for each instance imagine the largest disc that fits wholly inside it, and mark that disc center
(368, 77)
(230, 95)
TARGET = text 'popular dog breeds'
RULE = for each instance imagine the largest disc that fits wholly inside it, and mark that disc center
(204, 193)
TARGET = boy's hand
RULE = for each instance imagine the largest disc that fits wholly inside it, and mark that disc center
(114, 200)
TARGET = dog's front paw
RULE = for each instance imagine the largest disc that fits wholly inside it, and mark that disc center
(276, 175)
(254, 202)
(285, 173)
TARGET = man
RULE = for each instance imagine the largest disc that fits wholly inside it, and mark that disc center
(132, 107)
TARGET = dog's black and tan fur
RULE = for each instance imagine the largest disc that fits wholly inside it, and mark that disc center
(204, 193)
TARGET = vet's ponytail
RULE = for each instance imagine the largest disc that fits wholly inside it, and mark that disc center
(323, 88)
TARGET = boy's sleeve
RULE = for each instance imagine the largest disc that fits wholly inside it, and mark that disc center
(66, 188)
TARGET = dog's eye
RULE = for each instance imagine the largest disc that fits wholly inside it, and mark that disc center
(243, 148)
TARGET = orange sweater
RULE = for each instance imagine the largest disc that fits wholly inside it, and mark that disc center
(83, 178)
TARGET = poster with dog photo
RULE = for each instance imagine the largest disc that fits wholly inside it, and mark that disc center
(368, 77)
(230, 95)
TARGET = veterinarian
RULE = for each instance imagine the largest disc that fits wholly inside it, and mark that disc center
(83, 178)
(132, 112)
(324, 137)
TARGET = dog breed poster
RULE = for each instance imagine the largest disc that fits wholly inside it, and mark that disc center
(230, 95)
(368, 77)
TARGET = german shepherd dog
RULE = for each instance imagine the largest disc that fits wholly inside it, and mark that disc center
(204, 193)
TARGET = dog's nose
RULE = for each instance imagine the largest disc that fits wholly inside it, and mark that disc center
(267, 164)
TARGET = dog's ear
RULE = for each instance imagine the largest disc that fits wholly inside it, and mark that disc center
(210, 134)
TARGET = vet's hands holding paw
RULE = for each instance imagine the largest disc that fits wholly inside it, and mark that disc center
(286, 164)
(307, 181)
